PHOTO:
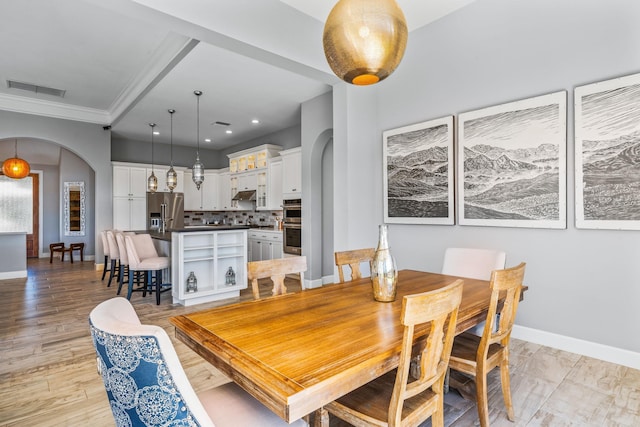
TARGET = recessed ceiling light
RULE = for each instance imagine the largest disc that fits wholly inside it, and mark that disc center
(255, 121)
(155, 132)
(229, 131)
(207, 140)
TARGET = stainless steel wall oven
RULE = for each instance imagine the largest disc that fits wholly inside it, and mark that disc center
(292, 226)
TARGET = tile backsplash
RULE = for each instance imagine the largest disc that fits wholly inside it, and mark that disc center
(261, 218)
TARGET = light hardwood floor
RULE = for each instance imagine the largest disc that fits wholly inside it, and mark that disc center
(48, 374)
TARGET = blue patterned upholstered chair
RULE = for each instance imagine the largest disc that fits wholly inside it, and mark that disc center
(147, 386)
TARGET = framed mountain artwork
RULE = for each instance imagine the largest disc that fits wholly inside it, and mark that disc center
(418, 173)
(607, 154)
(512, 163)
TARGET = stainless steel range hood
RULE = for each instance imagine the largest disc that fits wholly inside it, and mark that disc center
(243, 196)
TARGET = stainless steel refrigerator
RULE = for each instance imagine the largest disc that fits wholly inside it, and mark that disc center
(174, 210)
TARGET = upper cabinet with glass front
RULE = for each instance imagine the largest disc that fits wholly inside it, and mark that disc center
(252, 158)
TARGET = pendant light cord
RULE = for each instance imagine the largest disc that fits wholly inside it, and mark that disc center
(198, 93)
(171, 115)
(152, 126)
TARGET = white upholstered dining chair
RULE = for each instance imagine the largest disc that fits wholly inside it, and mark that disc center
(145, 382)
(474, 263)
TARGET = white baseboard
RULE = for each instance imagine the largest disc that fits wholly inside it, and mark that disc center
(13, 274)
(309, 284)
(585, 348)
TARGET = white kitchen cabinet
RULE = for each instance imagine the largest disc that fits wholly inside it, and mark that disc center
(205, 199)
(213, 257)
(261, 191)
(192, 197)
(129, 198)
(247, 181)
(274, 189)
(292, 173)
(224, 186)
(129, 181)
(264, 245)
(130, 213)
(252, 158)
(210, 192)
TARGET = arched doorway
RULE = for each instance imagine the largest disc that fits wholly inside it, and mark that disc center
(319, 250)
(52, 165)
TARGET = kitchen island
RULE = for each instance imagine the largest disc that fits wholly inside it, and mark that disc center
(208, 263)
(208, 251)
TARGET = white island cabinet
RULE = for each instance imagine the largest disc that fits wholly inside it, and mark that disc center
(217, 259)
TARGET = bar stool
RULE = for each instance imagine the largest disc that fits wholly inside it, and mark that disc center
(114, 255)
(105, 250)
(124, 260)
(144, 257)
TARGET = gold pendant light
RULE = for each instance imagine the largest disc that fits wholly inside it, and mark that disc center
(16, 167)
(197, 170)
(364, 40)
(172, 176)
(152, 182)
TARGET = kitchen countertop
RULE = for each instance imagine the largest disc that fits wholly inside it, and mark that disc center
(190, 228)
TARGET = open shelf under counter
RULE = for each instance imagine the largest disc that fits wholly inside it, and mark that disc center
(218, 260)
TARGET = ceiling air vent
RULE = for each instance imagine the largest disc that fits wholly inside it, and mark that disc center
(12, 84)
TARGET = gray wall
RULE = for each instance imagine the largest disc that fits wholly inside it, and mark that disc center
(583, 283)
(50, 205)
(88, 141)
(74, 169)
(140, 151)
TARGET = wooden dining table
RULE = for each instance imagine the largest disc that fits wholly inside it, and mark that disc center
(297, 352)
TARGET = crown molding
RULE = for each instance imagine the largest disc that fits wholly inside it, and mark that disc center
(39, 107)
(167, 55)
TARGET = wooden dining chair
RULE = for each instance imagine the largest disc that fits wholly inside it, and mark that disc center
(276, 270)
(396, 398)
(353, 259)
(476, 356)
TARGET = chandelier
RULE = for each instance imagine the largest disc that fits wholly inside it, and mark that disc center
(172, 176)
(152, 182)
(364, 40)
(16, 167)
(197, 169)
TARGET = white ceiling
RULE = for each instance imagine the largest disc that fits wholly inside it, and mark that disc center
(124, 63)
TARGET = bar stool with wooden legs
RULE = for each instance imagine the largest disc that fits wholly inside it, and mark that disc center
(475, 356)
(353, 259)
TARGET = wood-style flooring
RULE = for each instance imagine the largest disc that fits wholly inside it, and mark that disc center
(48, 373)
